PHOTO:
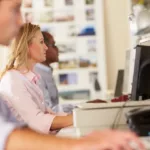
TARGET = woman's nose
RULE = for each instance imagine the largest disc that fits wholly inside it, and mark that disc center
(45, 47)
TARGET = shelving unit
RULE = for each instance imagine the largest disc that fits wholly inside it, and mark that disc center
(78, 29)
(131, 53)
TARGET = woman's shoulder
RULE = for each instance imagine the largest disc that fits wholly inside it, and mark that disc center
(12, 74)
(11, 82)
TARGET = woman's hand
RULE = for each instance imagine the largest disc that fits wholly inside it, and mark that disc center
(62, 122)
(109, 140)
(97, 101)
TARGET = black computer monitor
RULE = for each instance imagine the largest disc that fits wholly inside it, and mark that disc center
(141, 76)
(119, 83)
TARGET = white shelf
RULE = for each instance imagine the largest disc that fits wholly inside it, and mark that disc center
(89, 6)
(27, 9)
(63, 88)
(55, 23)
(73, 38)
(74, 55)
(82, 44)
(45, 9)
(75, 70)
(85, 36)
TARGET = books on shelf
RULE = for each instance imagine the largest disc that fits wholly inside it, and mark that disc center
(73, 25)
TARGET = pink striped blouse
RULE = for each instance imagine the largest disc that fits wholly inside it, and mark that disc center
(25, 99)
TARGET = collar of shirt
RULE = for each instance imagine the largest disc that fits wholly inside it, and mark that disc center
(44, 67)
(32, 76)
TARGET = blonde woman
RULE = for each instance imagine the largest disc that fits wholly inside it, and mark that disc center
(19, 85)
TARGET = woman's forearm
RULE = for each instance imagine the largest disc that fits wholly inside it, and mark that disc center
(26, 139)
(61, 122)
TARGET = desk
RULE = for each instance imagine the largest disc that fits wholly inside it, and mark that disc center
(89, 117)
(68, 132)
(101, 116)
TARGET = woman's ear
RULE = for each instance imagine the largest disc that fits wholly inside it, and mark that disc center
(29, 51)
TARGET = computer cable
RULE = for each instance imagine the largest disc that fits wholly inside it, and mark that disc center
(119, 114)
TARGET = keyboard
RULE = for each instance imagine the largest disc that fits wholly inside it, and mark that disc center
(146, 142)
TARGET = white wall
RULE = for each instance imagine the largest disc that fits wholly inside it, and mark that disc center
(117, 36)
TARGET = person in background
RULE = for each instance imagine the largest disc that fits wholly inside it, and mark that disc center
(47, 83)
(44, 69)
(17, 137)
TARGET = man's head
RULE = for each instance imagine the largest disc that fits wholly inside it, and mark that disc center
(10, 20)
(52, 52)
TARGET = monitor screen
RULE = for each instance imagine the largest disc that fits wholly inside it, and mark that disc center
(141, 76)
(119, 83)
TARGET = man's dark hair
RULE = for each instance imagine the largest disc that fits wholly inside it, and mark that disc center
(46, 37)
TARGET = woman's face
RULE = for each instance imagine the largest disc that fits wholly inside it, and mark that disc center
(37, 48)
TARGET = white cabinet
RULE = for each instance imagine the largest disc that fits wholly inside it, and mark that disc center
(78, 28)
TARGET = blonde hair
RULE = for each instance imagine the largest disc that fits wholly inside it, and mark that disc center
(19, 52)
